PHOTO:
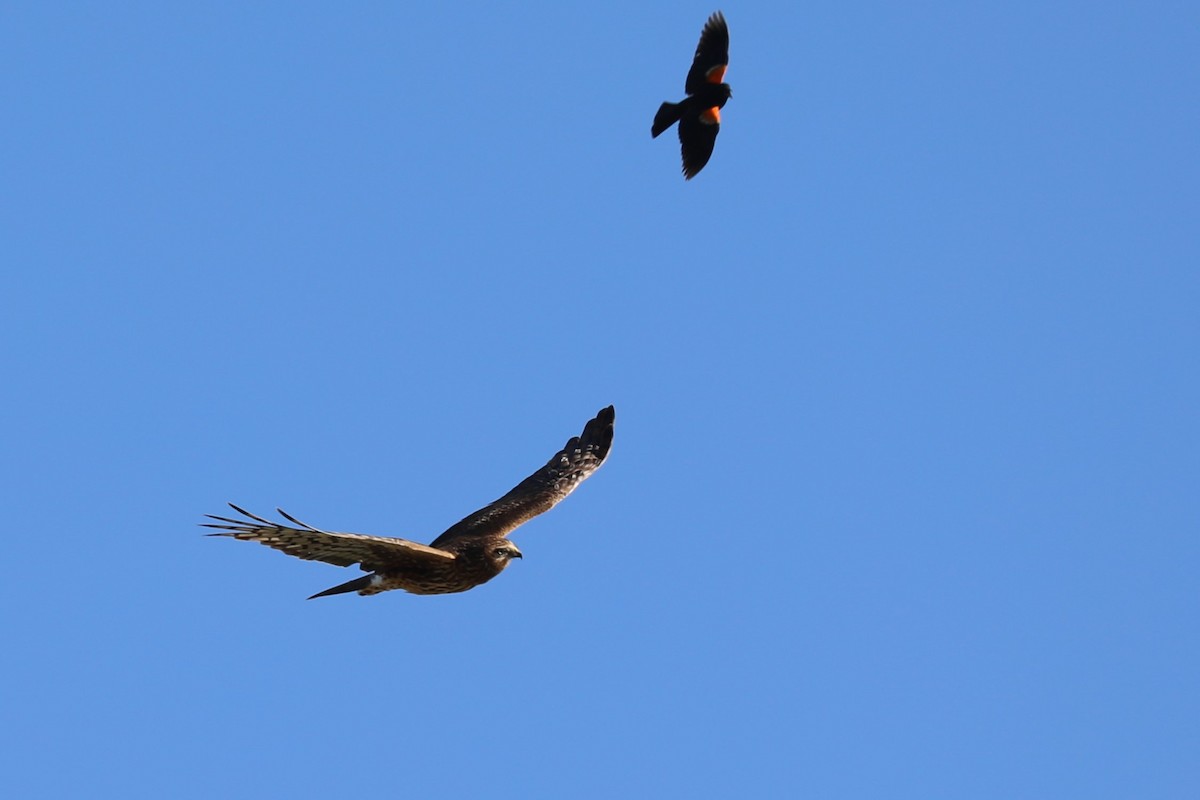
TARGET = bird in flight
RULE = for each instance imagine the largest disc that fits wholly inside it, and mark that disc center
(472, 551)
(699, 114)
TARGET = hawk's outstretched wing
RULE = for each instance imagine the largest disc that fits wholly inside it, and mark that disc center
(343, 549)
(712, 54)
(541, 491)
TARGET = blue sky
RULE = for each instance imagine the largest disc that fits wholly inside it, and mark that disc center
(902, 501)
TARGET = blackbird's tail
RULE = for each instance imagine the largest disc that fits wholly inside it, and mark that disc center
(668, 114)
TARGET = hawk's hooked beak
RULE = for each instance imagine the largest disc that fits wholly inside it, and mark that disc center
(517, 554)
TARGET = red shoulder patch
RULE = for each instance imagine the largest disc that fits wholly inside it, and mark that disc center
(716, 74)
(711, 116)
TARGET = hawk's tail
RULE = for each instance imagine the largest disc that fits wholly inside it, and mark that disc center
(668, 114)
(356, 585)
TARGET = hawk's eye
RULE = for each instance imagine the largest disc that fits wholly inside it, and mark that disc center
(501, 553)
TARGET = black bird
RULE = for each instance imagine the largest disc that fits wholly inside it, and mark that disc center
(699, 114)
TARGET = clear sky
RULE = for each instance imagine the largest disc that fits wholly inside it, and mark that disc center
(903, 496)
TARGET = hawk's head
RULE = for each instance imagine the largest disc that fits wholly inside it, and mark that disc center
(503, 552)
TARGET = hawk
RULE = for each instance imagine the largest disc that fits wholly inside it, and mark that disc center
(472, 551)
(699, 114)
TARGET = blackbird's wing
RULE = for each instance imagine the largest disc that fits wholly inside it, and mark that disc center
(697, 137)
(712, 55)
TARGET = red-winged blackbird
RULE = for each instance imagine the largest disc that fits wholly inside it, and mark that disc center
(699, 114)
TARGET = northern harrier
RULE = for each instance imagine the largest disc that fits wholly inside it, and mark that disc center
(472, 551)
(699, 114)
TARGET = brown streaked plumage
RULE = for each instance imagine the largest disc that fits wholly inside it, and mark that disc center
(470, 552)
